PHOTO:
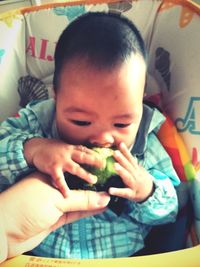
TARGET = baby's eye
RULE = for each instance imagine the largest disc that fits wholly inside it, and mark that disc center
(81, 123)
(121, 125)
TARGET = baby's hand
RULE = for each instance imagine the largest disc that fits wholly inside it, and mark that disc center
(138, 182)
(55, 157)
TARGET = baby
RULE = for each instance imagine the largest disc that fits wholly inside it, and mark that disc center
(99, 80)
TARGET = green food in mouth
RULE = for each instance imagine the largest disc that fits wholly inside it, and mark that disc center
(105, 173)
(106, 178)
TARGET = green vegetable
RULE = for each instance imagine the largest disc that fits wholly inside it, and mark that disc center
(107, 177)
(104, 174)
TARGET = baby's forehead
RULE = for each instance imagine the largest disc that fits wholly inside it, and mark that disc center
(80, 78)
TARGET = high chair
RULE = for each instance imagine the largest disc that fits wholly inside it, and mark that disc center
(171, 30)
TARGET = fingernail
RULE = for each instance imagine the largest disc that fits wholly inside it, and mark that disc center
(117, 153)
(117, 166)
(66, 193)
(93, 179)
(101, 162)
(104, 164)
(122, 145)
(103, 199)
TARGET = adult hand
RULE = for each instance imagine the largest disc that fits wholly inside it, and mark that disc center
(32, 208)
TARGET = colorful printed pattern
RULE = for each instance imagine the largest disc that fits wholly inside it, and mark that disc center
(2, 53)
(70, 12)
(162, 64)
(176, 148)
(9, 17)
(186, 14)
(120, 7)
(190, 122)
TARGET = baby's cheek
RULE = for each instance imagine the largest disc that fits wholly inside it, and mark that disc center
(71, 135)
(128, 137)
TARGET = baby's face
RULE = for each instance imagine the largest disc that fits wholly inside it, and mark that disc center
(100, 107)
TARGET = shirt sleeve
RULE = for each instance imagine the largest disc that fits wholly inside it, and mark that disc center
(13, 133)
(162, 206)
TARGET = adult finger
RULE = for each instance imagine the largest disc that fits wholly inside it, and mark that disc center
(70, 217)
(83, 200)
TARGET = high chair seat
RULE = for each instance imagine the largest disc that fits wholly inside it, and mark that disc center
(171, 30)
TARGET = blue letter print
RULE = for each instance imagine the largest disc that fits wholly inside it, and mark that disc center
(190, 123)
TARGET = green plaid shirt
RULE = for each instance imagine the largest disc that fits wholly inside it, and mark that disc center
(105, 235)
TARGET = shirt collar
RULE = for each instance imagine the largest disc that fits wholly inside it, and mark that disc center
(150, 122)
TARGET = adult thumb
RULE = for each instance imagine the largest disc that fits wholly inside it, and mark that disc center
(83, 200)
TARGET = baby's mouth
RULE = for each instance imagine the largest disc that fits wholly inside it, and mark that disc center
(113, 147)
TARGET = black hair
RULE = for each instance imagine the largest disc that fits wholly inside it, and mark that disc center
(104, 39)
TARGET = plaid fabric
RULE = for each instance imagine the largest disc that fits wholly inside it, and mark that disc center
(106, 235)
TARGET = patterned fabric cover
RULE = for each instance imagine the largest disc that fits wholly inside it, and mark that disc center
(171, 31)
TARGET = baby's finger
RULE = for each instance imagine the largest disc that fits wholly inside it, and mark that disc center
(89, 157)
(124, 162)
(125, 175)
(125, 151)
(122, 192)
(60, 183)
(75, 169)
